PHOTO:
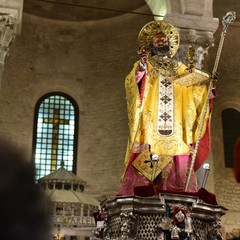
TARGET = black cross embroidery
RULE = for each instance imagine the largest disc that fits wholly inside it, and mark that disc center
(151, 161)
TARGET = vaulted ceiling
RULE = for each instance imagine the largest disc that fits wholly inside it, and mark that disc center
(81, 10)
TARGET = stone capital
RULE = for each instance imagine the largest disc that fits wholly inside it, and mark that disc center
(13, 8)
(200, 40)
(196, 25)
(10, 26)
(7, 35)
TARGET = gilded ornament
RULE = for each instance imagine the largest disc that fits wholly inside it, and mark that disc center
(149, 30)
(190, 56)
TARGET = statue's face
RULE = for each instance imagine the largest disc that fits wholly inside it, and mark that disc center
(160, 45)
(160, 40)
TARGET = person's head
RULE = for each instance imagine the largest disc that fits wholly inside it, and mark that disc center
(23, 211)
(160, 45)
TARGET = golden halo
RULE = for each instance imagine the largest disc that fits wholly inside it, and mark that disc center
(159, 26)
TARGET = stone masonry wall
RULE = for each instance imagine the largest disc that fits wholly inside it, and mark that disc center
(89, 62)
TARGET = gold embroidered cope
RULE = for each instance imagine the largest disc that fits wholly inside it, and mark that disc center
(188, 99)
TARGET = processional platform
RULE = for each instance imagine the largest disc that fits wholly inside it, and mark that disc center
(161, 217)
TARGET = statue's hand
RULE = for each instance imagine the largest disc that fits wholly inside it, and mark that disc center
(143, 53)
(214, 78)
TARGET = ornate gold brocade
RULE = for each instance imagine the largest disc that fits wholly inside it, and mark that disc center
(188, 107)
(145, 168)
(192, 77)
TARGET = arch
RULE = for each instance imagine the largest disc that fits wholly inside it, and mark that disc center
(231, 132)
(55, 134)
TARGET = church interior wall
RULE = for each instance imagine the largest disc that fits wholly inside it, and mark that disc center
(89, 61)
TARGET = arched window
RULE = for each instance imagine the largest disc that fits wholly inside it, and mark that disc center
(55, 133)
(231, 132)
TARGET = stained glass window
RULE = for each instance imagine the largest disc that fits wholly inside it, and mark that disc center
(55, 134)
(231, 132)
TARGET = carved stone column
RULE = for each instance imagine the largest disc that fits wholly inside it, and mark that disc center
(7, 35)
(196, 25)
(10, 26)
